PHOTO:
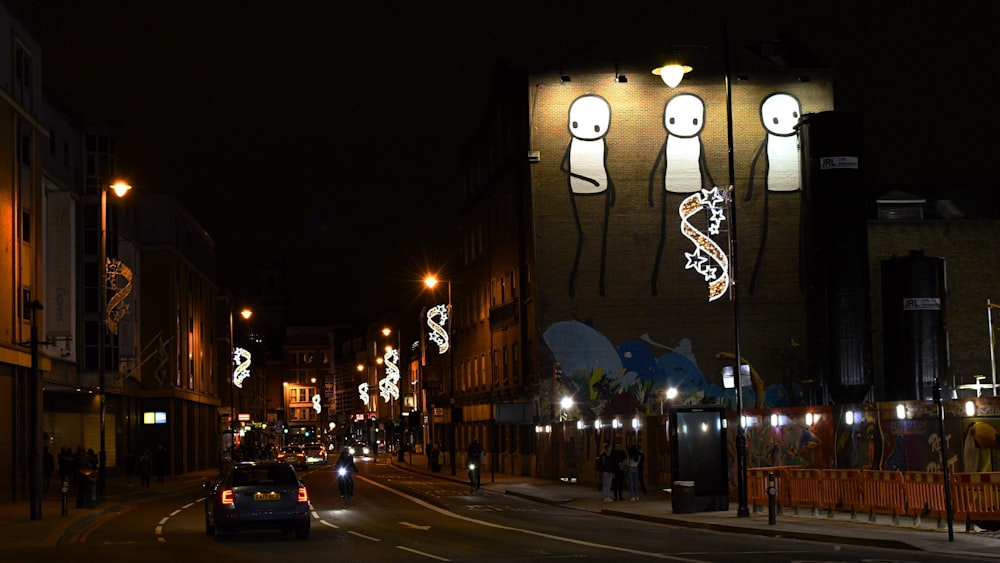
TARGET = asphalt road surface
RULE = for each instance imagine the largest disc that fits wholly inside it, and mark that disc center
(397, 515)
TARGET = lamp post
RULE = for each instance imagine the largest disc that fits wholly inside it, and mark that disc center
(393, 398)
(120, 189)
(672, 75)
(431, 281)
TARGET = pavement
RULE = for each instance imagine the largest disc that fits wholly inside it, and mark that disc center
(61, 522)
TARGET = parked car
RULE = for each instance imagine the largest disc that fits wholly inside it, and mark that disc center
(315, 453)
(293, 455)
(257, 496)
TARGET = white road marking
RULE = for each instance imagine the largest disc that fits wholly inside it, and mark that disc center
(360, 535)
(413, 526)
(423, 553)
(329, 524)
(450, 514)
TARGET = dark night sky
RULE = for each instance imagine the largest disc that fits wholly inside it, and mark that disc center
(288, 128)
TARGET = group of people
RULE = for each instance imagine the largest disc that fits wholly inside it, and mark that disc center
(148, 463)
(616, 466)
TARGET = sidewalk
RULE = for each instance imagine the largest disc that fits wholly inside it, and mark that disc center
(18, 530)
(657, 507)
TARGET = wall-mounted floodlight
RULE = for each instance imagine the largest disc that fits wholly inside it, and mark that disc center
(672, 73)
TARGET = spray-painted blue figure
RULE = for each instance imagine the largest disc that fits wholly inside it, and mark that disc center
(683, 159)
(779, 114)
(585, 165)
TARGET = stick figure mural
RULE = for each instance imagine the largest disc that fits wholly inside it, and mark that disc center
(683, 158)
(779, 114)
(585, 165)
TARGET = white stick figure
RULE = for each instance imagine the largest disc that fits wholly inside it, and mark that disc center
(779, 114)
(683, 157)
(585, 165)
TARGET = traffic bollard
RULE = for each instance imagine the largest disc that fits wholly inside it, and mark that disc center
(772, 492)
(65, 497)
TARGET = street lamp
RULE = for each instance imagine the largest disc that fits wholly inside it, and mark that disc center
(431, 282)
(393, 377)
(237, 357)
(743, 509)
(120, 188)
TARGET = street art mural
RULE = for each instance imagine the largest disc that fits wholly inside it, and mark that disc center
(682, 160)
(778, 156)
(980, 446)
(632, 376)
(590, 185)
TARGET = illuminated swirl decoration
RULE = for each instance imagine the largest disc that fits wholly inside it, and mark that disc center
(116, 306)
(438, 334)
(363, 393)
(241, 359)
(317, 405)
(716, 271)
(388, 387)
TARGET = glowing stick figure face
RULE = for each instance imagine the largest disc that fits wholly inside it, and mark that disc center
(780, 114)
(589, 118)
(684, 115)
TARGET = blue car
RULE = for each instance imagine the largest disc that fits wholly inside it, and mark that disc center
(257, 496)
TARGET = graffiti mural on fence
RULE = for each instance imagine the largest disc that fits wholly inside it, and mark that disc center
(632, 377)
(980, 446)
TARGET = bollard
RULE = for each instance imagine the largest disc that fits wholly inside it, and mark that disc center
(772, 492)
(65, 497)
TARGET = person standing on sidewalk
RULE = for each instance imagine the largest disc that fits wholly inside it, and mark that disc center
(605, 464)
(618, 457)
(145, 467)
(642, 470)
(632, 472)
(160, 462)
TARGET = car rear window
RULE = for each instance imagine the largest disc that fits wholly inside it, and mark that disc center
(264, 476)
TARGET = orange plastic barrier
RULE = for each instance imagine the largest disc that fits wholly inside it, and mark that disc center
(924, 493)
(882, 492)
(841, 491)
(757, 487)
(976, 496)
(804, 489)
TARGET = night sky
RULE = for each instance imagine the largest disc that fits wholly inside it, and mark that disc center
(313, 135)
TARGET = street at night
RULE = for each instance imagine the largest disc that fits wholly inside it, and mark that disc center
(404, 513)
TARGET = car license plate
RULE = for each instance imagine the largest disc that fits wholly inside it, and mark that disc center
(267, 496)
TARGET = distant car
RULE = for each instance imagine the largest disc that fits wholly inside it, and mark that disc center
(315, 453)
(359, 449)
(257, 496)
(293, 455)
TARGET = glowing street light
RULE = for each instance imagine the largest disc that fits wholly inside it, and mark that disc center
(120, 188)
(445, 340)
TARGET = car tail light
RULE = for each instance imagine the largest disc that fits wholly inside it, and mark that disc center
(226, 497)
(303, 494)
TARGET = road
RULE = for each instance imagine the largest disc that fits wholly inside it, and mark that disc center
(397, 515)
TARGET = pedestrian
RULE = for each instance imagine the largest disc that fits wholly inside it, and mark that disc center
(435, 457)
(48, 466)
(632, 472)
(618, 457)
(145, 467)
(130, 468)
(160, 462)
(642, 470)
(604, 463)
